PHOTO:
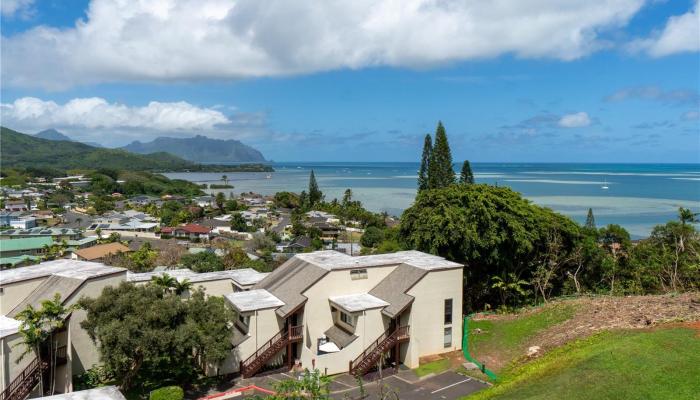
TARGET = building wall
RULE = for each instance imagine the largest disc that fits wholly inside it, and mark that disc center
(10, 349)
(263, 325)
(217, 288)
(13, 293)
(426, 316)
(369, 325)
(84, 354)
(318, 318)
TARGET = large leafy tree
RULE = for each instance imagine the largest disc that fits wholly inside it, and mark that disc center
(424, 163)
(669, 260)
(146, 336)
(493, 230)
(440, 172)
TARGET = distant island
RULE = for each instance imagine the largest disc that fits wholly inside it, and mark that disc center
(200, 149)
(20, 150)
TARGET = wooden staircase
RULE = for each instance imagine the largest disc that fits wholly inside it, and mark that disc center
(25, 382)
(262, 355)
(368, 359)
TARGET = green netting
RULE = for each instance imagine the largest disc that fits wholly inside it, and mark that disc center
(467, 354)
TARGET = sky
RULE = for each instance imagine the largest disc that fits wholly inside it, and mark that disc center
(366, 80)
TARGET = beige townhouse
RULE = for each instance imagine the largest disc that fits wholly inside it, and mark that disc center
(338, 313)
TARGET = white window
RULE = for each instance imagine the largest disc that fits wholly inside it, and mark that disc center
(356, 274)
(448, 337)
(347, 318)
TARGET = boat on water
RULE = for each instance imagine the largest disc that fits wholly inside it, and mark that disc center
(605, 185)
(268, 176)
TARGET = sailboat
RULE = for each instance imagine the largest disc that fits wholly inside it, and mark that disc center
(605, 185)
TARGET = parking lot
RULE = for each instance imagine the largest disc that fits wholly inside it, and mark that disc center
(404, 385)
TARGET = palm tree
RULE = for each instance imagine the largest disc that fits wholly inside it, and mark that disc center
(38, 327)
(33, 336)
(165, 281)
(224, 178)
(181, 287)
(54, 314)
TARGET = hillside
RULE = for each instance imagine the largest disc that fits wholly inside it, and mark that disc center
(52, 134)
(20, 150)
(603, 347)
(200, 149)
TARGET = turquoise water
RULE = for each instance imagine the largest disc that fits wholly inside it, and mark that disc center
(638, 197)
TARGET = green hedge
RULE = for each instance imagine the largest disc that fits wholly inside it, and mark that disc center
(168, 393)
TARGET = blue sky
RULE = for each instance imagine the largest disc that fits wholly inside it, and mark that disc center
(613, 81)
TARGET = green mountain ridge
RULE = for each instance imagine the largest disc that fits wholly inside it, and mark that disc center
(19, 150)
(200, 149)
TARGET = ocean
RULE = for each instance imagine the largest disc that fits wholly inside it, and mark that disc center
(639, 196)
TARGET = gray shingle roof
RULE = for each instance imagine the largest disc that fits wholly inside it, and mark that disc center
(393, 287)
(333, 260)
(62, 285)
(288, 281)
(251, 300)
(339, 337)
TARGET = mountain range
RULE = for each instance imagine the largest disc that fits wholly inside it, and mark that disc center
(200, 149)
(24, 151)
(29, 151)
(52, 134)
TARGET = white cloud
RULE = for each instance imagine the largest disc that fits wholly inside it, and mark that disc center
(681, 34)
(576, 120)
(10, 8)
(231, 39)
(691, 115)
(94, 118)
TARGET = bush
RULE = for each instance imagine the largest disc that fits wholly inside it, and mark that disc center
(168, 393)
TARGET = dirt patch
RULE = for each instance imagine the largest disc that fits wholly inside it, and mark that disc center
(609, 312)
(456, 358)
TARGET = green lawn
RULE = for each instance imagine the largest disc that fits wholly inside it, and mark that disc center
(433, 367)
(505, 340)
(656, 364)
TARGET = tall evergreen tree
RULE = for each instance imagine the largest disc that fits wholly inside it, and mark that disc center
(590, 220)
(466, 176)
(424, 163)
(315, 194)
(440, 172)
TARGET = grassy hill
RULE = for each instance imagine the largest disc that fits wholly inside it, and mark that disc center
(638, 347)
(25, 151)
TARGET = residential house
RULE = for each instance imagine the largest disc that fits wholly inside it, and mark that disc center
(57, 234)
(17, 205)
(128, 221)
(24, 286)
(144, 200)
(216, 283)
(17, 219)
(99, 252)
(298, 245)
(205, 201)
(17, 261)
(188, 231)
(31, 246)
(347, 314)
